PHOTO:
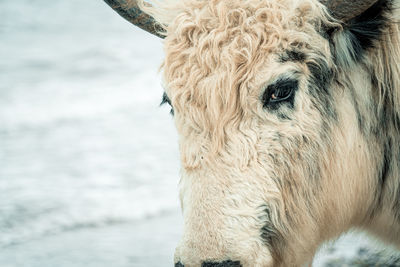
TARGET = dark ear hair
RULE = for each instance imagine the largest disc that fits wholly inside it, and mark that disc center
(360, 33)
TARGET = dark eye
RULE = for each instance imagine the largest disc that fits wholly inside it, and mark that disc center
(166, 100)
(281, 91)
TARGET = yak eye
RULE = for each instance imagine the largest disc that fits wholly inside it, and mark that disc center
(279, 92)
(166, 100)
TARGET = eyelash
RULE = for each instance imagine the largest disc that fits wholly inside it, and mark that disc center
(279, 92)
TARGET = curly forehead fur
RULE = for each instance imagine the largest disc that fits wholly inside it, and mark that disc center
(214, 49)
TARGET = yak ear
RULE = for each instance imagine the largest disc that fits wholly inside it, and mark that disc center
(357, 35)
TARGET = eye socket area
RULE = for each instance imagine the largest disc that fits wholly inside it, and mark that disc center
(281, 91)
(165, 100)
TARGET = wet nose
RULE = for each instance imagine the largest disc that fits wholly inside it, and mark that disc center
(215, 264)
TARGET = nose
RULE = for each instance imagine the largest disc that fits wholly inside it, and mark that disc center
(221, 264)
(215, 264)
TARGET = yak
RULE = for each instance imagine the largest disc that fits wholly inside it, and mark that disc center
(288, 117)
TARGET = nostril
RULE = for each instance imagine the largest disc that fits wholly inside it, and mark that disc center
(222, 264)
(179, 264)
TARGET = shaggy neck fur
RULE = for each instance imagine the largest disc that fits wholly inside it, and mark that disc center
(373, 52)
(384, 69)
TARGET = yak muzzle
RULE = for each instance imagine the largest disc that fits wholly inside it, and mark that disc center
(215, 264)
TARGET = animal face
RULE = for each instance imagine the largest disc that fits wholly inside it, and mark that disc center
(262, 132)
(278, 108)
(268, 133)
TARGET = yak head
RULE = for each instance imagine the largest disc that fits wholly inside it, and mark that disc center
(278, 107)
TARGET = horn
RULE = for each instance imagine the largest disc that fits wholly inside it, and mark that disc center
(130, 11)
(345, 10)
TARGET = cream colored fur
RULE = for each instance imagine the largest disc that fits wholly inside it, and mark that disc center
(316, 175)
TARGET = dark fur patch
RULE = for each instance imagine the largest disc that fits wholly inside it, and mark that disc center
(397, 122)
(360, 118)
(364, 30)
(319, 87)
(179, 264)
(221, 264)
(321, 75)
(386, 162)
(272, 238)
(293, 55)
(368, 27)
(166, 100)
(383, 175)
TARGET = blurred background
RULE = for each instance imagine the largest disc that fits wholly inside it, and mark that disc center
(88, 160)
(89, 164)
